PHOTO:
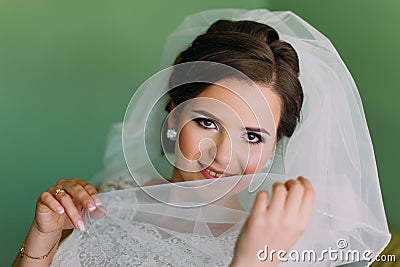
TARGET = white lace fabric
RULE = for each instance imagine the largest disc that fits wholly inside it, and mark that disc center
(178, 250)
(124, 238)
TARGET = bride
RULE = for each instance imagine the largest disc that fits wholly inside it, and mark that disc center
(236, 118)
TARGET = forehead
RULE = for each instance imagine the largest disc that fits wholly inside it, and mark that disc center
(252, 103)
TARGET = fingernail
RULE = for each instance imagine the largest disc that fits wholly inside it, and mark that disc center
(60, 210)
(97, 200)
(81, 226)
(91, 206)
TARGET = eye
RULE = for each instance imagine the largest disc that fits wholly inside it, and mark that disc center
(253, 138)
(205, 123)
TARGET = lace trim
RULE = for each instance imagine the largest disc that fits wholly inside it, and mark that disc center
(141, 244)
(116, 183)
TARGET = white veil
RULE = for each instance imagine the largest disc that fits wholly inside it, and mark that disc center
(331, 146)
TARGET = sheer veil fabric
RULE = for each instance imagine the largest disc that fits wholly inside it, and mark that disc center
(182, 224)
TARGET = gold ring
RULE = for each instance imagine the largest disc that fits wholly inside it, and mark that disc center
(58, 191)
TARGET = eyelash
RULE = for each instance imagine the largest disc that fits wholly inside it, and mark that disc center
(200, 122)
(259, 137)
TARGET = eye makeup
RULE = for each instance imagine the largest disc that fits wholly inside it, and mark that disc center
(208, 121)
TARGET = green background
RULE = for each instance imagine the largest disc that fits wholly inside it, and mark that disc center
(69, 68)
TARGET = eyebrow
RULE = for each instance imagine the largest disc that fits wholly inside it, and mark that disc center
(249, 129)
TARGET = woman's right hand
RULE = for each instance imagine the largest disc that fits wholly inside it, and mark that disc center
(62, 210)
(275, 222)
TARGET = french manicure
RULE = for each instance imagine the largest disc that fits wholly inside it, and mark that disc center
(81, 226)
(97, 200)
(60, 210)
(91, 206)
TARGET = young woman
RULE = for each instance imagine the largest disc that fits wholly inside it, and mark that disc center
(234, 100)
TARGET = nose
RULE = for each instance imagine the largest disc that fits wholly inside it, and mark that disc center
(222, 151)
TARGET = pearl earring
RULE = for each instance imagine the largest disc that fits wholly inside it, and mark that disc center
(171, 134)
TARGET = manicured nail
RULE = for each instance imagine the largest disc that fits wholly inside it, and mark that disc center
(60, 210)
(97, 200)
(81, 226)
(91, 206)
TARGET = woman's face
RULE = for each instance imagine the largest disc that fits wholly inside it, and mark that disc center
(228, 129)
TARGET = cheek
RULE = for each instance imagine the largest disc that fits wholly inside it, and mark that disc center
(257, 159)
(189, 138)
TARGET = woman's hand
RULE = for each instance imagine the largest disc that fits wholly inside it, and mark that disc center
(277, 224)
(60, 206)
(57, 209)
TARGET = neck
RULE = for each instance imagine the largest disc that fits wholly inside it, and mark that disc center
(176, 177)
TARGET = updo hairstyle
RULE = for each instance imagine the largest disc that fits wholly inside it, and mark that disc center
(255, 50)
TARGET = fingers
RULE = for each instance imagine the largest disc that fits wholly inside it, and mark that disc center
(71, 210)
(261, 203)
(293, 200)
(278, 199)
(308, 197)
(76, 195)
(295, 195)
(87, 186)
(81, 192)
(50, 202)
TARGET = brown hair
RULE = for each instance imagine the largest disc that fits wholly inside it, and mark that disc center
(255, 50)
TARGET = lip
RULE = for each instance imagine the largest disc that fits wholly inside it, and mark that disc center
(208, 175)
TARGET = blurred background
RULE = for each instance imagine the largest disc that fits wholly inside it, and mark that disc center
(69, 68)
